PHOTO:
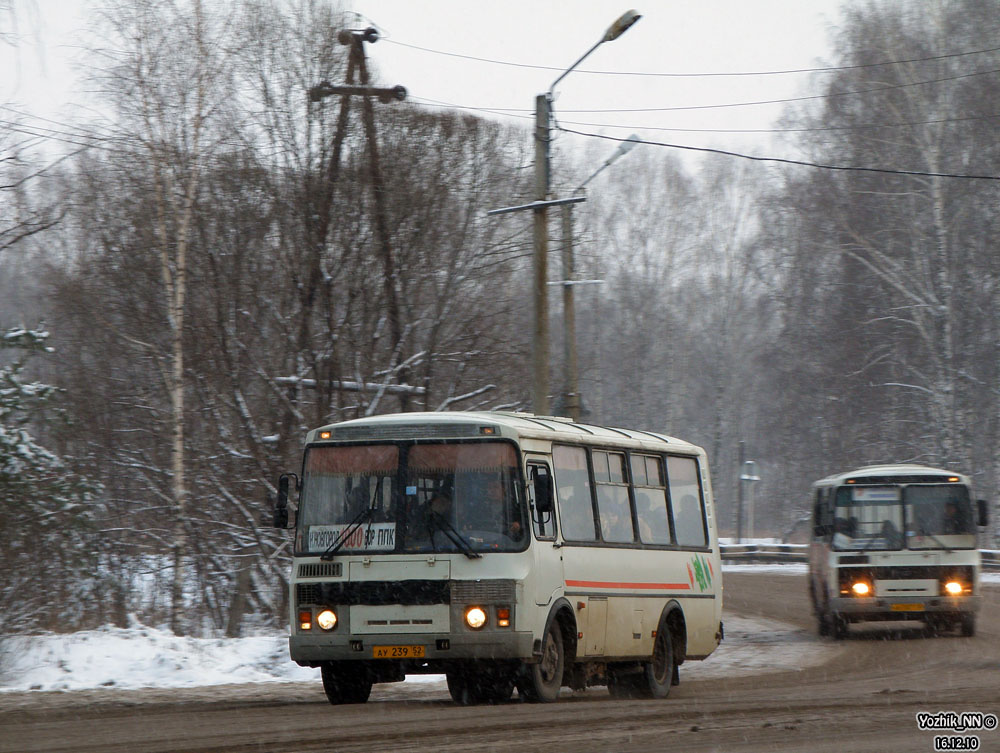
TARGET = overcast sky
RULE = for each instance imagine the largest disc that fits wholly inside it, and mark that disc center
(673, 37)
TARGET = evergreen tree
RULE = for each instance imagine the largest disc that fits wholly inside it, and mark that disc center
(47, 558)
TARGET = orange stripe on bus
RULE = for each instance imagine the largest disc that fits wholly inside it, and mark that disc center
(607, 584)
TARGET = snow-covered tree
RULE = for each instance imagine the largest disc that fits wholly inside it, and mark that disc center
(46, 510)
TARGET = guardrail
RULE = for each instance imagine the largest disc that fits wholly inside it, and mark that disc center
(765, 553)
(783, 553)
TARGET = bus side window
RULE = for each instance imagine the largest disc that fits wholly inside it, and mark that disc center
(576, 507)
(685, 504)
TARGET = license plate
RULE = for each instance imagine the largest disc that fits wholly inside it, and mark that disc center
(907, 607)
(398, 652)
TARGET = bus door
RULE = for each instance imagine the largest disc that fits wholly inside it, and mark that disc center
(547, 566)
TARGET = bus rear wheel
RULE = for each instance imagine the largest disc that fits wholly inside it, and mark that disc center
(346, 683)
(540, 682)
(652, 679)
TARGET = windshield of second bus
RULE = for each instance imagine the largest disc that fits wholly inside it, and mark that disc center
(876, 517)
(868, 517)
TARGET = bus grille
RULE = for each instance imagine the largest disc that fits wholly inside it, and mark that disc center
(374, 592)
(321, 570)
(406, 592)
(483, 591)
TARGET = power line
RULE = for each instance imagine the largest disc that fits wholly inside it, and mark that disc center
(804, 163)
(424, 101)
(693, 75)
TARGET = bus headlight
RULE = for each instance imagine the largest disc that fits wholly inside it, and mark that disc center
(475, 617)
(953, 588)
(327, 619)
(860, 588)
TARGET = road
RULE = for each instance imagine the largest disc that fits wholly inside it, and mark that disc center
(865, 698)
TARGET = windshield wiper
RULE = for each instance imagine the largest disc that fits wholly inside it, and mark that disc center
(445, 526)
(354, 525)
(924, 532)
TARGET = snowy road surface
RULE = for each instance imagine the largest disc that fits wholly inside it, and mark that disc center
(861, 694)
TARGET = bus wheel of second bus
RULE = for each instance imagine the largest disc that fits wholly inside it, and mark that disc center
(346, 683)
(838, 626)
(967, 625)
(540, 682)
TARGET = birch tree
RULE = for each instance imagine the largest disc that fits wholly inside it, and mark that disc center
(169, 87)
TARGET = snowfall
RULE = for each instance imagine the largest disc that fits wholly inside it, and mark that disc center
(142, 656)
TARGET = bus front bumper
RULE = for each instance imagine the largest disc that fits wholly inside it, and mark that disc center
(905, 607)
(310, 650)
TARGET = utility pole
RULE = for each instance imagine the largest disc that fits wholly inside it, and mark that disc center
(572, 399)
(739, 493)
(540, 266)
(357, 62)
(543, 124)
(571, 394)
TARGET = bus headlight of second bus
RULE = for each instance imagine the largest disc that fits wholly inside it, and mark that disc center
(861, 588)
(327, 619)
(955, 587)
(475, 617)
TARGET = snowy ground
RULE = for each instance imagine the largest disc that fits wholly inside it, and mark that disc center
(143, 656)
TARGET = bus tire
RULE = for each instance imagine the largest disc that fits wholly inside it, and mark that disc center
(968, 625)
(838, 626)
(540, 682)
(659, 673)
(823, 623)
(346, 683)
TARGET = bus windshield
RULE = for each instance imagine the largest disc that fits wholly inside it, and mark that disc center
(876, 517)
(939, 514)
(443, 497)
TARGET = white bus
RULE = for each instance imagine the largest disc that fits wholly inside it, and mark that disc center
(895, 542)
(502, 550)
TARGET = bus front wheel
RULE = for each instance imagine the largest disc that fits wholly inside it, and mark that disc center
(540, 682)
(968, 625)
(346, 683)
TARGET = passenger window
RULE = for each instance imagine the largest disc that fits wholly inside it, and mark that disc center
(650, 500)
(685, 501)
(612, 501)
(576, 508)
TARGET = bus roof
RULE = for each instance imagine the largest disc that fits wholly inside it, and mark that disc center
(893, 473)
(445, 425)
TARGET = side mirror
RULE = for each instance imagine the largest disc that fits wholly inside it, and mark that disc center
(281, 505)
(984, 514)
(543, 488)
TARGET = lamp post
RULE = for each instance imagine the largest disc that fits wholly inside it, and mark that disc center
(543, 125)
(749, 475)
(572, 401)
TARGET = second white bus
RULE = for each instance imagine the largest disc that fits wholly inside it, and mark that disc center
(502, 550)
(895, 542)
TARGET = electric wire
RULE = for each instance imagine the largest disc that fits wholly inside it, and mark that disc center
(785, 161)
(695, 75)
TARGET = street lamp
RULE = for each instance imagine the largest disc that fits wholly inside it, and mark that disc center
(543, 125)
(572, 401)
(750, 476)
